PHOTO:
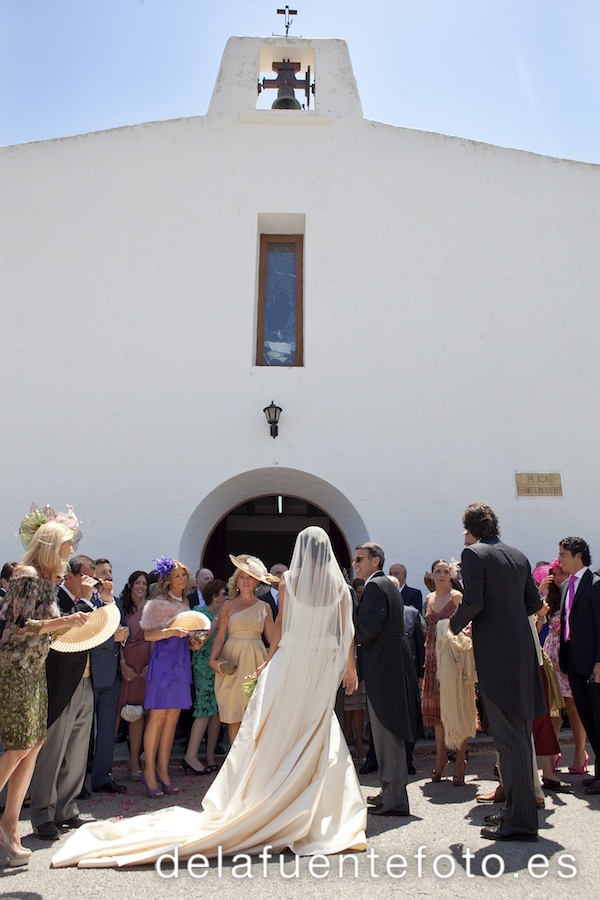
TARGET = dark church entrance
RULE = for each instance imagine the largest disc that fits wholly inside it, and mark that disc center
(267, 527)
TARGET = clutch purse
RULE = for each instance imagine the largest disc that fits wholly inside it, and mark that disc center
(227, 667)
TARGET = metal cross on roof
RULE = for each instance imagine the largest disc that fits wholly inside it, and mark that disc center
(288, 13)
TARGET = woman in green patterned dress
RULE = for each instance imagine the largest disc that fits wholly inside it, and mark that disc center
(205, 712)
(28, 613)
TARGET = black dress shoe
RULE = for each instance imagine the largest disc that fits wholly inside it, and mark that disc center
(47, 831)
(75, 822)
(83, 794)
(375, 800)
(110, 787)
(508, 833)
(382, 811)
(368, 767)
(493, 820)
(593, 788)
(586, 782)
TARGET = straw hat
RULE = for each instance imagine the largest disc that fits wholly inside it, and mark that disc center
(190, 619)
(99, 626)
(254, 567)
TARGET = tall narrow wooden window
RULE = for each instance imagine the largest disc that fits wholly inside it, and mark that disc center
(279, 340)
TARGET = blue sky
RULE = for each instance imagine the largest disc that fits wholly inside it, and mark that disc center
(517, 73)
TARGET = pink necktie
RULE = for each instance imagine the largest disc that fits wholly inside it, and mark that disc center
(570, 595)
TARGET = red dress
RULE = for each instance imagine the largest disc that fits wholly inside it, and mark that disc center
(137, 655)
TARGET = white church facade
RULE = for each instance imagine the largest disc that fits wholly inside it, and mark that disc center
(424, 309)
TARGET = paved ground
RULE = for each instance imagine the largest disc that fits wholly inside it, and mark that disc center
(445, 824)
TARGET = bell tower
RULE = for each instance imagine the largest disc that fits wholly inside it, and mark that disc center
(244, 85)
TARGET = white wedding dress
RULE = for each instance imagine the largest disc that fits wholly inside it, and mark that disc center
(289, 780)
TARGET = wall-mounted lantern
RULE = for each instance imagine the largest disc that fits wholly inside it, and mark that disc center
(272, 414)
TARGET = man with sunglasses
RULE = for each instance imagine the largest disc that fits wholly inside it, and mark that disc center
(390, 679)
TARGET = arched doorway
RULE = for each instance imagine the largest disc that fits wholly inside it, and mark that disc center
(267, 528)
(309, 499)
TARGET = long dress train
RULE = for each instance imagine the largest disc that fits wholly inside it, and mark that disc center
(288, 781)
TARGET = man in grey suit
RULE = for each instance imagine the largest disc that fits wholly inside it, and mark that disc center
(499, 595)
(390, 678)
(61, 764)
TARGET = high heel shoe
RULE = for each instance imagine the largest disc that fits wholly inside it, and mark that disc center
(17, 854)
(153, 793)
(167, 788)
(437, 775)
(458, 780)
(557, 762)
(134, 774)
(189, 770)
(580, 770)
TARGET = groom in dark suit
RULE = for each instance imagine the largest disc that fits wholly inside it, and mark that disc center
(579, 654)
(499, 595)
(390, 678)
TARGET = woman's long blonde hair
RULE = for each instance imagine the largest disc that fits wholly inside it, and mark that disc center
(164, 582)
(43, 552)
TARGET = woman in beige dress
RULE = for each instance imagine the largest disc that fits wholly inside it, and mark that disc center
(243, 619)
(440, 604)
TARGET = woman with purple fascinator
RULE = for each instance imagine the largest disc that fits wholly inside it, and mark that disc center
(169, 676)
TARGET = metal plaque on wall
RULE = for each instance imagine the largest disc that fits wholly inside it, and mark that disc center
(538, 484)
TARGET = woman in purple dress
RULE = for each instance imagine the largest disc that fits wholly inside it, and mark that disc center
(169, 677)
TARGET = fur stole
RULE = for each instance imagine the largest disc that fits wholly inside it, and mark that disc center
(457, 676)
(156, 613)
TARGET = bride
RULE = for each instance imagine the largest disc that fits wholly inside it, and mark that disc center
(289, 780)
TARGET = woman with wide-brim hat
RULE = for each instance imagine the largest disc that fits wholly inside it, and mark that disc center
(28, 615)
(243, 619)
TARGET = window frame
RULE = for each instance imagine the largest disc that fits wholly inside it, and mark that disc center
(265, 240)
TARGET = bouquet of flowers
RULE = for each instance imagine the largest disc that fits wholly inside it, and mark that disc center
(249, 685)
